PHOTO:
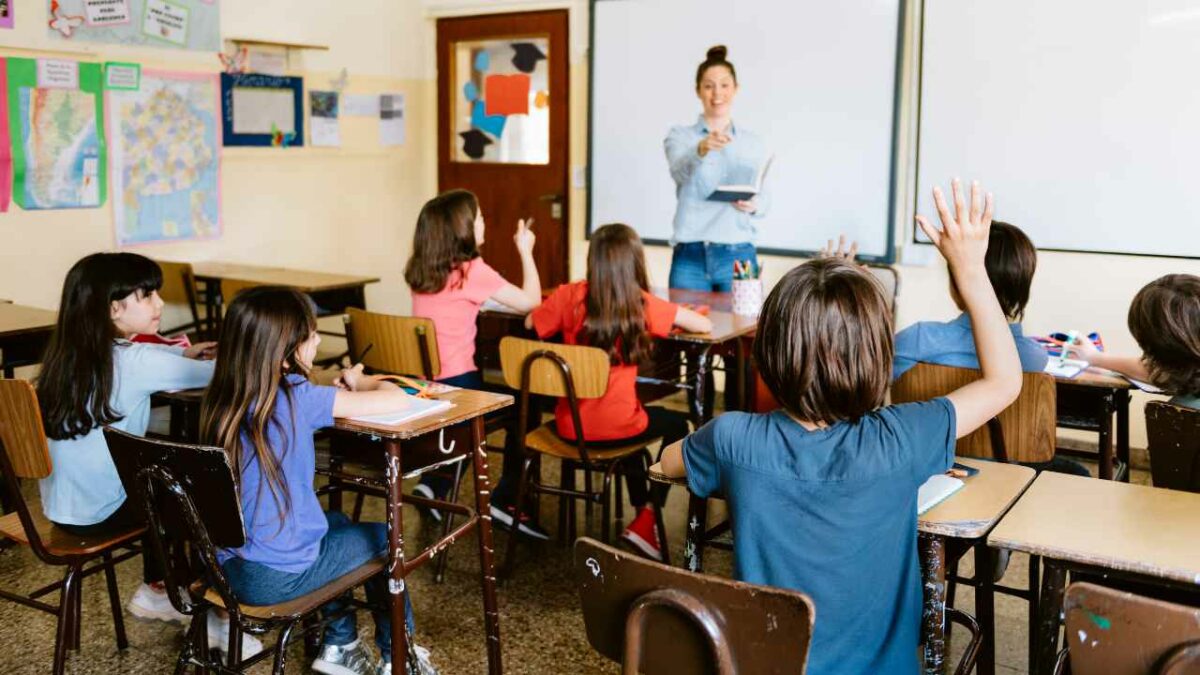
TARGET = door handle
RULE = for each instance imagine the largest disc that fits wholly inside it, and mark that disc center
(550, 198)
(556, 202)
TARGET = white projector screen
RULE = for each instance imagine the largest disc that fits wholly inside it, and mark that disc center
(1082, 118)
(817, 80)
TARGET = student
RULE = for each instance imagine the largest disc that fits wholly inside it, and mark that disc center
(823, 493)
(93, 376)
(614, 310)
(262, 409)
(1165, 320)
(450, 282)
(1010, 263)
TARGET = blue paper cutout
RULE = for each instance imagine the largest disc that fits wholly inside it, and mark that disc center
(493, 124)
(470, 91)
(482, 61)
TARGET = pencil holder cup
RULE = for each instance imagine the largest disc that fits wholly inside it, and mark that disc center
(747, 297)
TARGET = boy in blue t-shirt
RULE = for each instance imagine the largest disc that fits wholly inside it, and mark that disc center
(823, 493)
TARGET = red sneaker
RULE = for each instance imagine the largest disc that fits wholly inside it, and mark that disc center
(642, 534)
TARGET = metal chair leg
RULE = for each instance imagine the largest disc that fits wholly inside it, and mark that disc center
(443, 558)
(281, 648)
(114, 599)
(77, 618)
(66, 604)
(358, 507)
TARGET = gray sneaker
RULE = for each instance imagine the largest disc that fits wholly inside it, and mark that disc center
(424, 666)
(352, 659)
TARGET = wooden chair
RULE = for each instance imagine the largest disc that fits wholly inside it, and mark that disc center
(653, 618)
(191, 492)
(573, 372)
(889, 278)
(26, 456)
(1173, 433)
(1111, 632)
(179, 288)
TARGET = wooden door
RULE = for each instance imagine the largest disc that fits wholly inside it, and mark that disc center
(502, 130)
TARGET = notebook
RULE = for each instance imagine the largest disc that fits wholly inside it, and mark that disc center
(1065, 367)
(935, 490)
(736, 193)
(414, 408)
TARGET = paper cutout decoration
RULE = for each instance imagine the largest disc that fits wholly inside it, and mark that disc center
(280, 139)
(507, 94)
(5, 146)
(64, 24)
(58, 146)
(525, 56)
(541, 100)
(470, 91)
(474, 143)
(482, 61)
(6, 13)
(235, 61)
(338, 84)
(493, 124)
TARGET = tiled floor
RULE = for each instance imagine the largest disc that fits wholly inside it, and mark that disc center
(542, 629)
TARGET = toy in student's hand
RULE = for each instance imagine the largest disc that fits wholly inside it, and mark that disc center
(1053, 344)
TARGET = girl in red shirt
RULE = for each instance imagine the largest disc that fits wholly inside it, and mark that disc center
(614, 310)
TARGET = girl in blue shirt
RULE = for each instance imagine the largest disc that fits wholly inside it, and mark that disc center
(710, 235)
(823, 493)
(263, 410)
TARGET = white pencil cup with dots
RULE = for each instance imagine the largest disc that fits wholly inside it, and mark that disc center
(747, 297)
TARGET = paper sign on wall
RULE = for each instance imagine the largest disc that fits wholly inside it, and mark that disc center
(323, 119)
(106, 12)
(391, 119)
(57, 74)
(122, 76)
(166, 21)
(6, 13)
(360, 105)
(266, 61)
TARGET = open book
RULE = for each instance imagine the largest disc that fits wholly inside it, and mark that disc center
(935, 490)
(735, 193)
(412, 409)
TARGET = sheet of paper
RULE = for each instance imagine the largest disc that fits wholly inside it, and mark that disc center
(266, 61)
(122, 76)
(323, 120)
(106, 12)
(507, 94)
(391, 119)
(57, 74)
(166, 21)
(360, 105)
(257, 111)
(1065, 367)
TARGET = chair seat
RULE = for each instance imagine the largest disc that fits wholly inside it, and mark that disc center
(58, 541)
(305, 604)
(544, 440)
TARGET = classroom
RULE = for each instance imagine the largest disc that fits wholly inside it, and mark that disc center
(596, 336)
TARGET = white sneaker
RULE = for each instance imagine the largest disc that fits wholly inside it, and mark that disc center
(351, 659)
(218, 636)
(424, 665)
(154, 605)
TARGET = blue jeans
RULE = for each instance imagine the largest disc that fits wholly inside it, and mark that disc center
(346, 546)
(701, 266)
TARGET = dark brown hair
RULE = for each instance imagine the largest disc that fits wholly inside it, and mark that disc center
(824, 344)
(260, 335)
(1165, 320)
(444, 240)
(616, 311)
(76, 381)
(715, 57)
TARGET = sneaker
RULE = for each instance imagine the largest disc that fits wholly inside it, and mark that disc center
(642, 534)
(423, 490)
(351, 659)
(527, 527)
(154, 605)
(424, 665)
(218, 636)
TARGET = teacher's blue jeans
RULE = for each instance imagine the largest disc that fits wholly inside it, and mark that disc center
(346, 546)
(701, 266)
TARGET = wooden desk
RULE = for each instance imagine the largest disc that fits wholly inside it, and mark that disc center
(1088, 402)
(24, 333)
(1101, 527)
(332, 292)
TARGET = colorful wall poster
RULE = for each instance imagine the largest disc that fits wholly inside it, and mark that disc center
(5, 145)
(165, 143)
(6, 13)
(58, 144)
(258, 109)
(323, 119)
(173, 24)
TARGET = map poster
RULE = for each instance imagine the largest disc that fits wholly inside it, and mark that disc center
(58, 146)
(171, 24)
(165, 140)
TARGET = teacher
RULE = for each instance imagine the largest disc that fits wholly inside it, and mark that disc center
(709, 235)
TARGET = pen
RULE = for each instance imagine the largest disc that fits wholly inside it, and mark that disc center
(364, 353)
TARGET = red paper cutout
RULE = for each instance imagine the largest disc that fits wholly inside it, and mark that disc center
(507, 94)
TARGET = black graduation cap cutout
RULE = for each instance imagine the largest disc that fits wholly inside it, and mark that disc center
(474, 143)
(525, 56)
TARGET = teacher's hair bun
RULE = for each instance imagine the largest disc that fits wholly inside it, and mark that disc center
(717, 53)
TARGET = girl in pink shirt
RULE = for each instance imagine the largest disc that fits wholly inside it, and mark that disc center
(449, 282)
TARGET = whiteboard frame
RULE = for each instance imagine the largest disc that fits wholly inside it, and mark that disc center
(895, 162)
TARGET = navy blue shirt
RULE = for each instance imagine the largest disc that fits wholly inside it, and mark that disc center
(832, 513)
(952, 343)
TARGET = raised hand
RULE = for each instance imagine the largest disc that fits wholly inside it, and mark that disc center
(963, 238)
(847, 254)
(525, 238)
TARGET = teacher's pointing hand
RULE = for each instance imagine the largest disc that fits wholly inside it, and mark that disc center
(715, 140)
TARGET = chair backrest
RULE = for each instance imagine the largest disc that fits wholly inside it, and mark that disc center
(231, 287)
(179, 287)
(1173, 434)
(21, 430)
(890, 279)
(659, 619)
(1026, 430)
(587, 367)
(1112, 632)
(402, 345)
